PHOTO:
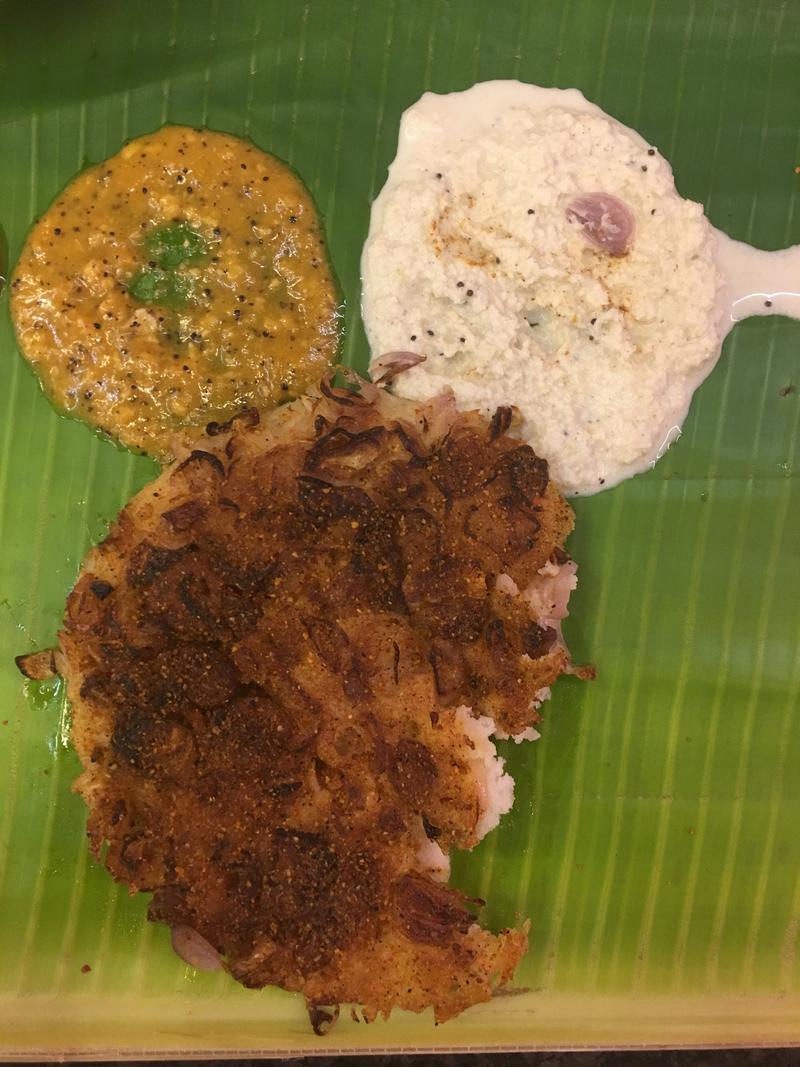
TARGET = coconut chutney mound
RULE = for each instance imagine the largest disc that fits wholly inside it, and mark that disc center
(536, 252)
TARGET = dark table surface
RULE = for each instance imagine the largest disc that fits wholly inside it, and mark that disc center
(699, 1058)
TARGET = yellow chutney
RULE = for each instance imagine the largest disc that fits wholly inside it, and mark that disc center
(178, 282)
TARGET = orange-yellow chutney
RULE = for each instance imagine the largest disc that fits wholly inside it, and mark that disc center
(178, 282)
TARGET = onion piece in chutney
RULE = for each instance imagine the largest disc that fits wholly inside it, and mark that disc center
(182, 280)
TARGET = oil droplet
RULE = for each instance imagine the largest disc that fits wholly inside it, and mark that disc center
(50, 698)
(704, 496)
(44, 696)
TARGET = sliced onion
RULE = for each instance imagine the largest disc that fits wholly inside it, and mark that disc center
(441, 412)
(38, 665)
(194, 949)
(322, 1017)
(367, 389)
(604, 221)
(386, 367)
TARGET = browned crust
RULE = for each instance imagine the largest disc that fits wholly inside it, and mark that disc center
(265, 657)
(38, 666)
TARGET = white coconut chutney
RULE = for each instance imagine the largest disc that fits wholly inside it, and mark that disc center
(479, 259)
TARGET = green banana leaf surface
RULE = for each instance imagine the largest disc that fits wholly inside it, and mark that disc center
(655, 838)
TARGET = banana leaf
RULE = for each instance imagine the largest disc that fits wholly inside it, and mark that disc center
(655, 838)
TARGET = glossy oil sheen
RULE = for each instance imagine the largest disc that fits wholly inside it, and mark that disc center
(3, 260)
(654, 837)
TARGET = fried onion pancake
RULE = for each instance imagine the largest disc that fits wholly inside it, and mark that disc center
(270, 659)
